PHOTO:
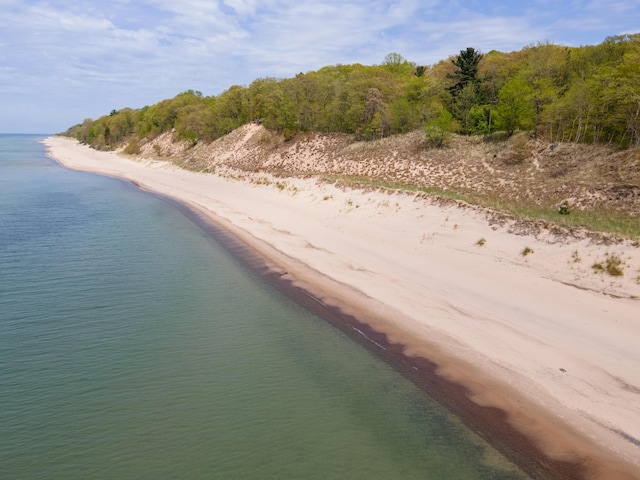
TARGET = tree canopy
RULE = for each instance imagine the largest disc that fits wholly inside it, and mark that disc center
(572, 94)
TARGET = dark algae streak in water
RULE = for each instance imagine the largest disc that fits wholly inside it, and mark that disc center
(488, 422)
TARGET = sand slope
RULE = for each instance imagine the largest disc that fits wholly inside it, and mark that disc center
(542, 335)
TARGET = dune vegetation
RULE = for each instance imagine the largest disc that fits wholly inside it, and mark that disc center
(548, 132)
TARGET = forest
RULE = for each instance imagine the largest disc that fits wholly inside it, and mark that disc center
(587, 94)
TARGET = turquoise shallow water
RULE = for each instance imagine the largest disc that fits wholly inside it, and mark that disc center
(133, 346)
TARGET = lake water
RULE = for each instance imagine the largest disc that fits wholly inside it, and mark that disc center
(132, 345)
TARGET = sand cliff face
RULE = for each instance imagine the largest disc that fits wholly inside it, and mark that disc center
(524, 170)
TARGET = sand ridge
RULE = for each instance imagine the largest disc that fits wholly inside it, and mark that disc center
(528, 171)
(540, 335)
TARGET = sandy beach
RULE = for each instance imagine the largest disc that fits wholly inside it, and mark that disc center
(522, 322)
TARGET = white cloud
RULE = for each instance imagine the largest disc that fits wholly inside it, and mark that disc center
(65, 61)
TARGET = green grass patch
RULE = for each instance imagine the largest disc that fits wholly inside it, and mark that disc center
(603, 221)
(616, 223)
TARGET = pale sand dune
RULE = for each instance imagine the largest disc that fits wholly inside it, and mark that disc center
(541, 336)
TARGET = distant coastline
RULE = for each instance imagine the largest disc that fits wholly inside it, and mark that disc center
(504, 339)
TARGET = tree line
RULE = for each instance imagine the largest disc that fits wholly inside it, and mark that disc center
(588, 94)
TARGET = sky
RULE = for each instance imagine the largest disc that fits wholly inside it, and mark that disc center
(62, 61)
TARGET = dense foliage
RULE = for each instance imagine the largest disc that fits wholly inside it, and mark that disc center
(585, 94)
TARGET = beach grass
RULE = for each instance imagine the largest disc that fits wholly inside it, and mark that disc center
(603, 221)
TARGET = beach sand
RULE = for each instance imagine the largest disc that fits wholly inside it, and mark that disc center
(537, 352)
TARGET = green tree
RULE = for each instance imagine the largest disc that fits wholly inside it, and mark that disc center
(585, 94)
(192, 121)
(402, 116)
(513, 108)
(480, 119)
(465, 91)
(397, 63)
(544, 74)
(232, 109)
(439, 130)
(464, 103)
(466, 70)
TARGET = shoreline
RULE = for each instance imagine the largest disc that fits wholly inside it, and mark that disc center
(348, 272)
(488, 422)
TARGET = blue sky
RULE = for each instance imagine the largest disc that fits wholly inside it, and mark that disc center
(62, 61)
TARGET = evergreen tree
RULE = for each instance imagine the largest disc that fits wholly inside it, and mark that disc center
(467, 72)
(466, 89)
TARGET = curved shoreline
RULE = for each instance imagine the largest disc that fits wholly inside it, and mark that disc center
(520, 427)
(490, 423)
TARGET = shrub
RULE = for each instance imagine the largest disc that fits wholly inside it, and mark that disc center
(438, 130)
(612, 265)
(133, 147)
(519, 152)
(563, 209)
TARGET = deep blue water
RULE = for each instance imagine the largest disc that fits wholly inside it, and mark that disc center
(133, 346)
